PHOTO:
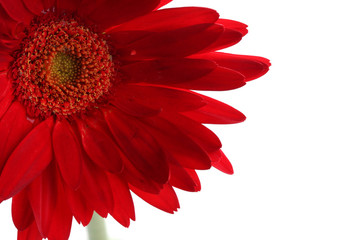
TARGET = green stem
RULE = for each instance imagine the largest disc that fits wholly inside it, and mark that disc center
(96, 228)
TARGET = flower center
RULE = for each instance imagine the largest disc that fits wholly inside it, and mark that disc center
(65, 67)
(62, 67)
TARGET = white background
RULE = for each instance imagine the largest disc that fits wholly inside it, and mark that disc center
(296, 158)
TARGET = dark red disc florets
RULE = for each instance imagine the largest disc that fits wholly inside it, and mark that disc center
(62, 67)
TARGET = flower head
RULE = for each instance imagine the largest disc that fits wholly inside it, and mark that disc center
(96, 101)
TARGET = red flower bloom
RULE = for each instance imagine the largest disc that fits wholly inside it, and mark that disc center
(96, 100)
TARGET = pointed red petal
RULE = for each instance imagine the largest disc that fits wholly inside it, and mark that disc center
(138, 145)
(79, 206)
(166, 200)
(21, 210)
(218, 80)
(61, 224)
(100, 147)
(233, 33)
(158, 97)
(13, 128)
(27, 161)
(96, 189)
(180, 42)
(123, 204)
(31, 233)
(196, 131)
(251, 67)
(221, 162)
(42, 195)
(228, 38)
(68, 153)
(183, 178)
(175, 18)
(234, 25)
(61, 217)
(216, 112)
(114, 12)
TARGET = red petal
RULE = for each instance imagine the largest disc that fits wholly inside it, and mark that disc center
(216, 112)
(42, 193)
(139, 146)
(61, 224)
(183, 178)
(158, 97)
(180, 42)
(167, 71)
(17, 10)
(251, 67)
(114, 12)
(186, 151)
(228, 38)
(221, 162)
(13, 127)
(166, 200)
(96, 189)
(27, 161)
(79, 206)
(174, 18)
(100, 147)
(31, 233)
(218, 80)
(233, 33)
(123, 204)
(234, 25)
(68, 153)
(22, 214)
(196, 131)
(61, 216)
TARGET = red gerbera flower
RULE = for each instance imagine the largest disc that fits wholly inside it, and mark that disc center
(96, 100)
